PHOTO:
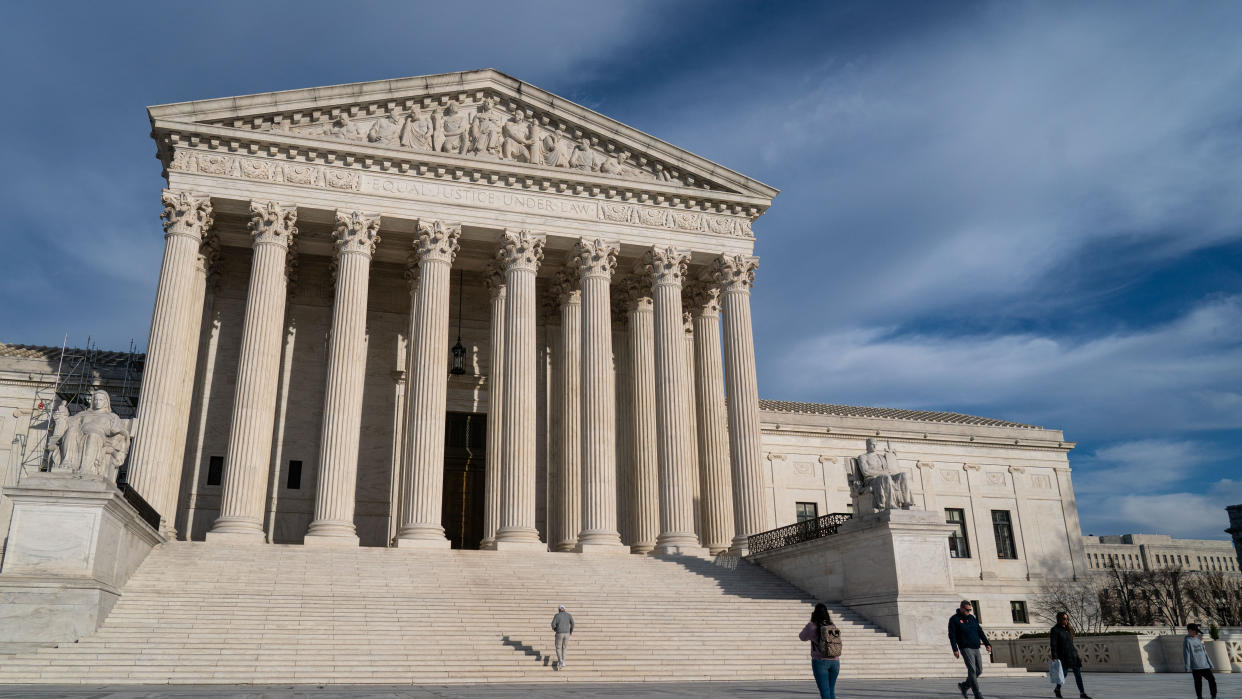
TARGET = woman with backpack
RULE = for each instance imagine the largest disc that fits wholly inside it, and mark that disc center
(825, 651)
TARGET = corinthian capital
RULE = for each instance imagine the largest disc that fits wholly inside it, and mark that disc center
(521, 250)
(596, 258)
(735, 273)
(565, 287)
(633, 292)
(208, 254)
(666, 265)
(272, 222)
(185, 213)
(494, 278)
(437, 241)
(701, 297)
(356, 232)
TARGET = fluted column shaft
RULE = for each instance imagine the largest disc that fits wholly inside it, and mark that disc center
(355, 236)
(696, 475)
(569, 400)
(716, 492)
(163, 401)
(436, 245)
(596, 261)
(736, 275)
(521, 252)
(495, 280)
(248, 458)
(667, 267)
(645, 478)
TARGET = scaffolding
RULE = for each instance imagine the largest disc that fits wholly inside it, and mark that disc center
(79, 372)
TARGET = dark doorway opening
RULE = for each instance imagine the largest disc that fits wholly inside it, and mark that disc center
(465, 449)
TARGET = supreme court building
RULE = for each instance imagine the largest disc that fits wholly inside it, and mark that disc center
(459, 311)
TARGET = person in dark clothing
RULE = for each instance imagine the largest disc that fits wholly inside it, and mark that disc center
(965, 637)
(1061, 641)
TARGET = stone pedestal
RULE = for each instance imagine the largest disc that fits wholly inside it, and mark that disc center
(73, 543)
(892, 567)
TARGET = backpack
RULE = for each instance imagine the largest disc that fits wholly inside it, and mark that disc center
(828, 642)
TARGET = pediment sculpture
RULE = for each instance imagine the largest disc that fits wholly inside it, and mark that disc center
(876, 482)
(487, 129)
(91, 443)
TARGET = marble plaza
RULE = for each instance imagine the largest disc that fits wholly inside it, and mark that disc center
(458, 312)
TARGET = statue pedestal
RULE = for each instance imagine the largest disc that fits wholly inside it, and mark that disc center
(72, 544)
(890, 566)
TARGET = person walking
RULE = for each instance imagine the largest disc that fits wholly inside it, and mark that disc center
(1061, 642)
(1197, 661)
(825, 641)
(965, 637)
(563, 626)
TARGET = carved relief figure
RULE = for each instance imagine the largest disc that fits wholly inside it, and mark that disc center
(452, 129)
(417, 130)
(485, 136)
(583, 158)
(385, 130)
(546, 149)
(877, 472)
(93, 442)
(344, 127)
(517, 139)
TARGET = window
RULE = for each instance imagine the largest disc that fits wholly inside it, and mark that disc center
(215, 469)
(294, 482)
(978, 610)
(807, 510)
(1003, 529)
(959, 543)
(1017, 609)
(850, 508)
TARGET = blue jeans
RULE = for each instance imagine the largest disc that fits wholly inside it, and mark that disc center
(826, 672)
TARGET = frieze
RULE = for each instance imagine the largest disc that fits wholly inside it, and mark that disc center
(353, 180)
(485, 125)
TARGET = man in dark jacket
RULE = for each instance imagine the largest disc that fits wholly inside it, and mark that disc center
(965, 637)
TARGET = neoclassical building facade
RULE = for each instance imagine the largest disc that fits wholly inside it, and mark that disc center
(327, 249)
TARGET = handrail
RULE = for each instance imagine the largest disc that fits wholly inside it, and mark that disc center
(797, 533)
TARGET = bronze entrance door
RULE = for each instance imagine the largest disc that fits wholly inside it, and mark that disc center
(465, 447)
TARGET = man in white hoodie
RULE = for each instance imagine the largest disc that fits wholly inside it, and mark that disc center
(563, 625)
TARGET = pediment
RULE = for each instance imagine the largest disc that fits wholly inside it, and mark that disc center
(482, 116)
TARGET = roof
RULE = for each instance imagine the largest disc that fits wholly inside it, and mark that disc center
(53, 354)
(784, 406)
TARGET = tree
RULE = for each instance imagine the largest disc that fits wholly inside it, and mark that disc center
(1166, 589)
(1124, 599)
(1216, 597)
(1078, 598)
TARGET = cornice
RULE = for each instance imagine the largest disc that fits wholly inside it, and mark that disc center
(919, 437)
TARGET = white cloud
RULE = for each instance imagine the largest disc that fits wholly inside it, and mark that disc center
(1178, 514)
(1140, 466)
(1183, 375)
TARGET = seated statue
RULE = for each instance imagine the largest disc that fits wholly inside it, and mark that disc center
(876, 472)
(93, 443)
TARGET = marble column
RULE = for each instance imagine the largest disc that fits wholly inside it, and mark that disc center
(667, 267)
(596, 262)
(644, 459)
(355, 237)
(401, 437)
(494, 277)
(568, 515)
(248, 458)
(715, 488)
(625, 430)
(155, 462)
(436, 244)
(692, 420)
(735, 274)
(521, 252)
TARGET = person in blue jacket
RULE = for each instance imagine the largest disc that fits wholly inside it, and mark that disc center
(965, 637)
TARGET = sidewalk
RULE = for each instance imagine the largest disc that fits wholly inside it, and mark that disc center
(1099, 686)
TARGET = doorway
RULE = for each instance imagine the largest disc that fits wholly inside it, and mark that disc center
(465, 449)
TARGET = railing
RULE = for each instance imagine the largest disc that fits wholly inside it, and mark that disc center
(144, 509)
(797, 533)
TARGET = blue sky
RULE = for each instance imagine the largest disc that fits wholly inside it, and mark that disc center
(1022, 210)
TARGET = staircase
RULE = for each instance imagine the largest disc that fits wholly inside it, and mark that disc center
(197, 613)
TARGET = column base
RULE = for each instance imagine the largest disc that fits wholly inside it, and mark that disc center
(590, 549)
(679, 544)
(642, 548)
(330, 540)
(242, 537)
(405, 543)
(740, 547)
(566, 547)
(529, 546)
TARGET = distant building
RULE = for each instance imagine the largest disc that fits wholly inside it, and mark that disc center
(1158, 551)
(1235, 528)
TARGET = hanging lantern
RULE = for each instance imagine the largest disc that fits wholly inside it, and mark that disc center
(459, 351)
